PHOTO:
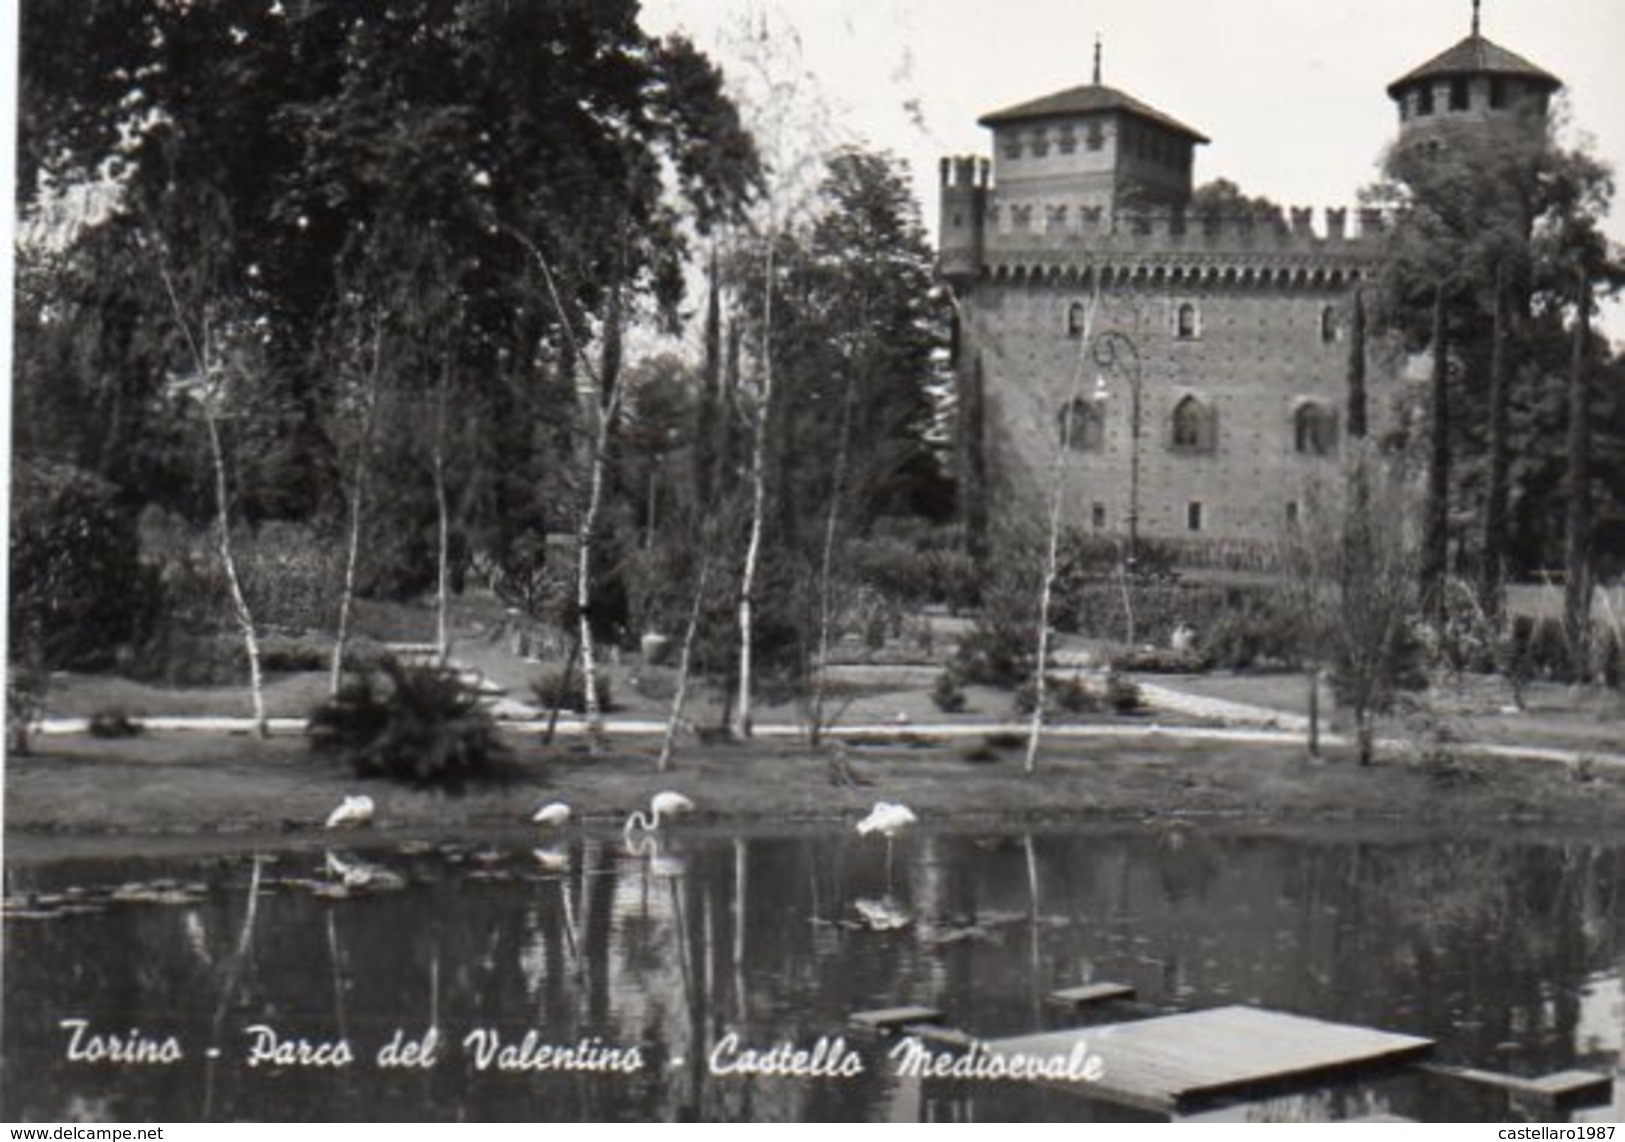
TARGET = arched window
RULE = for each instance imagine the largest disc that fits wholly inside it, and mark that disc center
(1195, 426)
(1314, 429)
(1328, 324)
(1076, 318)
(1187, 322)
(1082, 427)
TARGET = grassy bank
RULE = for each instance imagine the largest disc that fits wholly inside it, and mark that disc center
(221, 785)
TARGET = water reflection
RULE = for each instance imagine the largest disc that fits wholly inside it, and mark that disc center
(528, 977)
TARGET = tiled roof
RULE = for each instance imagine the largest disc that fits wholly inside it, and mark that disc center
(1474, 56)
(1084, 100)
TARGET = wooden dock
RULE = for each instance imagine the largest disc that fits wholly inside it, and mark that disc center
(1169, 1062)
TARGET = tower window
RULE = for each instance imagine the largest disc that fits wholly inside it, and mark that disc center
(1424, 99)
(1458, 95)
(1195, 427)
(1068, 140)
(1097, 517)
(1082, 427)
(1040, 143)
(1292, 512)
(1012, 146)
(1076, 318)
(1314, 430)
(1187, 322)
(1498, 92)
(1097, 137)
(1328, 325)
(1193, 516)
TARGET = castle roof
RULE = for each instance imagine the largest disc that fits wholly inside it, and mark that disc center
(1090, 98)
(1474, 55)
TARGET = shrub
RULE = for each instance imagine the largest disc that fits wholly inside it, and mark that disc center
(1066, 696)
(77, 592)
(25, 706)
(1544, 647)
(1123, 694)
(1159, 660)
(1071, 696)
(422, 724)
(1241, 629)
(114, 723)
(547, 690)
(948, 694)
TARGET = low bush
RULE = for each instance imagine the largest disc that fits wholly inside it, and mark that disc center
(1061, 696)
(947, 694)
(1543, 646)
(421, 724)
(547, 689)
(114, 723)
(1123, 694)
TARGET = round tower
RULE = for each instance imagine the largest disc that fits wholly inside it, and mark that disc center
(1476, 85)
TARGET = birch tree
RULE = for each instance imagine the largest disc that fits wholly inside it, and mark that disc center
(1057, 505)
(215, 371)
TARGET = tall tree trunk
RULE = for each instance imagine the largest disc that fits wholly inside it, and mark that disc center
(212, 378)
(1313, 676)
(1046, 591)
(1436, 523)
(708, 451)
(607, 403)
(239, 602)
(357, 492)
(758, 492)
(675, 718)
(562, 692)
(1577, 488)
(1492, 583)
(1356, 369)
(442, 638)
(827, 562)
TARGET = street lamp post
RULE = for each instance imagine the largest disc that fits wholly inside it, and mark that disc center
(1115, 354)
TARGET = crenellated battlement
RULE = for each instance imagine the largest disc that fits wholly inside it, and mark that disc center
(990, 231)
(1029, 222)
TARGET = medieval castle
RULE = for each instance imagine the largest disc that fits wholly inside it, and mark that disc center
(1193, 366)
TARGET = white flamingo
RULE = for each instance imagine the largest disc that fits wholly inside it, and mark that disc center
(888, 818)
(351, 812)
(555, 815)
(661, 806)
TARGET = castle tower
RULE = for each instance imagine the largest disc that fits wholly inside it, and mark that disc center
(1230, 335)
(1104, 149)
(1475, 85)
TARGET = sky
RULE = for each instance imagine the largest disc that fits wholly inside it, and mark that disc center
(1292, 92)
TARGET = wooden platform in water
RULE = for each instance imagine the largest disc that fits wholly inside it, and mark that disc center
(1174, 1060)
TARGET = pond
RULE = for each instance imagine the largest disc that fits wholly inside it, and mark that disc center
(491, 980)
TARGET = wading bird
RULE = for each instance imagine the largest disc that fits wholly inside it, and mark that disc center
(351, 812)
(661, 805)
(888, 818)
(555, 814)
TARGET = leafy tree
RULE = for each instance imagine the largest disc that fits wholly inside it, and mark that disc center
(1488, 228)
(1224, 199)
(256, 141)
(73, 562)
(1351, 578)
